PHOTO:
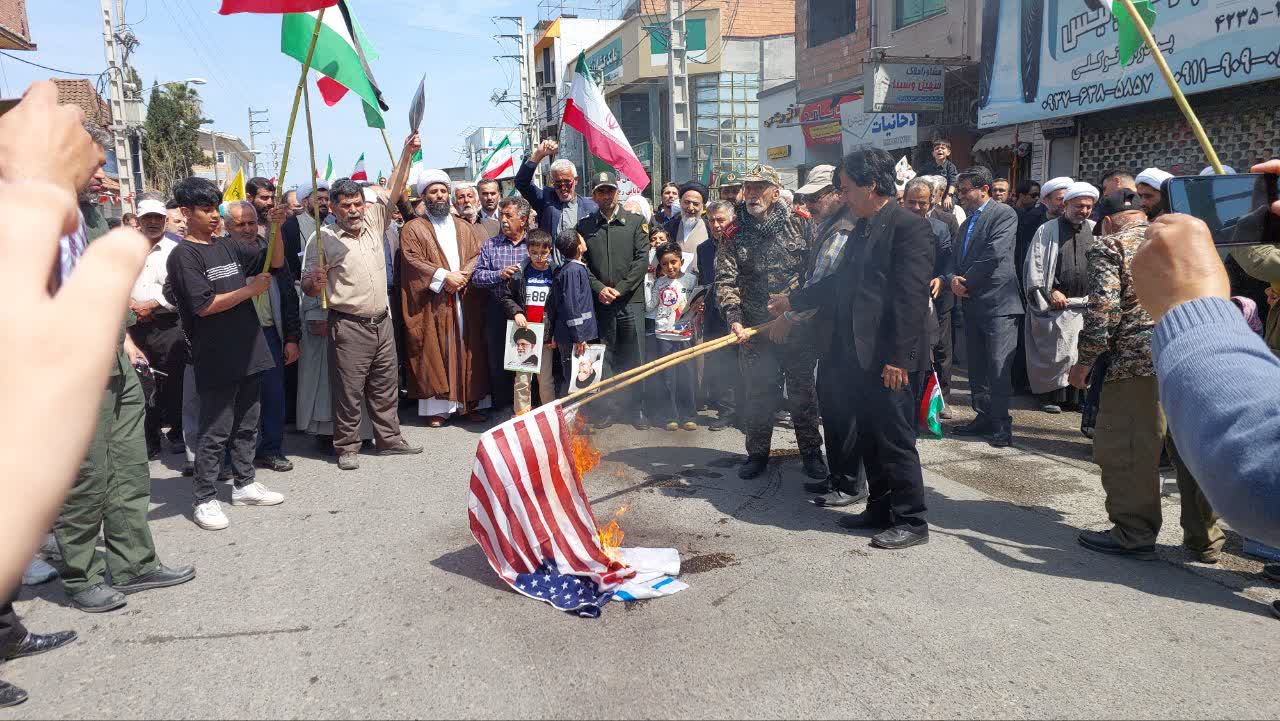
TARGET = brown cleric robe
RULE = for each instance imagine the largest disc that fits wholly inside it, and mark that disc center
(442, 363)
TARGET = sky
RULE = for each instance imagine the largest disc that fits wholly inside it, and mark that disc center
(451, 41)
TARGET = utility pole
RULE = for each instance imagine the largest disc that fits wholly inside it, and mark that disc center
(526, 88)
(119, 126)
(678, 145)
(254, 133)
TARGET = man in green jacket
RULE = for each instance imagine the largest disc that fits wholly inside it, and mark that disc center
(617, 256)
(112, 490)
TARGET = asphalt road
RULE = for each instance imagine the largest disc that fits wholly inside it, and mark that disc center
(365, 596)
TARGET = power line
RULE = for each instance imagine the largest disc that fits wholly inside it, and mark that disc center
(200, 55)
(54, 70)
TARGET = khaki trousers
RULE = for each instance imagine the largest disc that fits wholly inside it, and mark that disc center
(362, 370)
(523, 386)
(1130, 432)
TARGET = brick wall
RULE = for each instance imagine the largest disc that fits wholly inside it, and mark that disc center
(1242, 123)
(833, 62)
(13, 17)
(741, 18)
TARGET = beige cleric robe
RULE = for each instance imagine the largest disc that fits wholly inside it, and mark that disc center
(442, 365)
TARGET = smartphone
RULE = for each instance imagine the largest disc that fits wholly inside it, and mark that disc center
(1237, 208)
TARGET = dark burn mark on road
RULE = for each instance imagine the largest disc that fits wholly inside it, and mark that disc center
(159, 639)
(708, 562)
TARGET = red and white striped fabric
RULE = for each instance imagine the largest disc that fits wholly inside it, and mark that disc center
(527, 503)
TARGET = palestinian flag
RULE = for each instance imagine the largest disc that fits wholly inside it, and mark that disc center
(587, 112)
(273, 6)
(501, 162)
(339, 57)
(359, 172)
(931, 406)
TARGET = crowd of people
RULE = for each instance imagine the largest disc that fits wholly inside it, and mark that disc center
(331, 309)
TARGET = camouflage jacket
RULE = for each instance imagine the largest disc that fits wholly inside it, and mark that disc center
(766, 257)
(1114, 321)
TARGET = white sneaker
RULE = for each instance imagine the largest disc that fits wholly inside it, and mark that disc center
(255, 494)
(210, 517)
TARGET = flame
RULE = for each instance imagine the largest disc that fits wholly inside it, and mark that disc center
(612, 534)
(585, 456)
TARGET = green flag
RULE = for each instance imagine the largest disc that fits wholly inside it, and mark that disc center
(417, 157)
(1128, 38)
(328, 170)
(705, 176)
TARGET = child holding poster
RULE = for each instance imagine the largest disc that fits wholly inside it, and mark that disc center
(670, 302)
(524, 298)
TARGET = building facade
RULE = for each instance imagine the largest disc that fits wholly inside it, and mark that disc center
(15, 32)
(556, 46)
(735, 49)
(226, 155)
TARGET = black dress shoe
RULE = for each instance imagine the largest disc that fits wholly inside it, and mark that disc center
(1272, 572)
(720, 423)
(98, 598)
(11, 695)
(276, 463)
(1275, 609)
(838, 498)
(1001, 439)
(864, 520)
(603, 423)
(814, 466)
(1104, 542)
(36, 644)
(641, 423)
(898, 538)
(160, 577)
(753, 468)
(973, 428)
(826, 485)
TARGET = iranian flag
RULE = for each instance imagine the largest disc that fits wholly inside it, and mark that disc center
(501, 162)
(274, 6)
(587, 112)
(339, 57)
(359, 172)
(328, 171)
(931, 406)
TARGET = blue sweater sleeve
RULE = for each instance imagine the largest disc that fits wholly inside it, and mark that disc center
(1220, 387)
(486, 274)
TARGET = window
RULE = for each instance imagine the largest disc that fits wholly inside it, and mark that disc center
(906, 12)
(721, 118)
(831, 19)
(222, 158)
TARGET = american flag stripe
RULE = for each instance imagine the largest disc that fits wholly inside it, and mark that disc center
(527, 505)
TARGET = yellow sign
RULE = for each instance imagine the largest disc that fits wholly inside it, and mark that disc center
(235, 189)
(778, 152)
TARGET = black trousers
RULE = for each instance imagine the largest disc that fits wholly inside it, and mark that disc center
(165, 346)
(621, 330)
(992, 345)
(11, 629)
(838, 419)
(501, 382)
(943, 355)
(884, 427)
(228, 419)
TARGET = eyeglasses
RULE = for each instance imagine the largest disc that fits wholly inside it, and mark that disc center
(566, 184)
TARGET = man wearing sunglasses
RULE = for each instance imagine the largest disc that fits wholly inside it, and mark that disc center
(559, 207)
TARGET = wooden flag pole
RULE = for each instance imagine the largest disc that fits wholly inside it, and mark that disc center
(390, 154)
(288, 137)
(315, 209)
(622, 380)
(1172, 82)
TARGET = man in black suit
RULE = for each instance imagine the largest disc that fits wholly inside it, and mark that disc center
(987, 283)
(878, 303)
(917, 197)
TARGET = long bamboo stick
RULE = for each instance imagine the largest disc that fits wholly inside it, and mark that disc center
(288, 137)
(387, 142)
(315, 209)
(1172, 82)
(604, 387)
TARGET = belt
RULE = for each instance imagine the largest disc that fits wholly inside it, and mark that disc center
(361, 319)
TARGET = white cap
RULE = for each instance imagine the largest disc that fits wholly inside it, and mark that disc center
(151, 206)
(1226, 170)
(1153, 177)
(1080, 190)
(427, 178)
(1053, 185)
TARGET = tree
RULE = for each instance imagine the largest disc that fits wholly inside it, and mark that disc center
(172, 135)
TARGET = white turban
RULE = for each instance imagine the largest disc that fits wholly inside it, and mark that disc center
(1153, 177)
(307, 190)
(427, 178)
(1080, 190)
(1054, 185)
(1226, 170)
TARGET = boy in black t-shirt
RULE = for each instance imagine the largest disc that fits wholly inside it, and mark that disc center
(212, 281)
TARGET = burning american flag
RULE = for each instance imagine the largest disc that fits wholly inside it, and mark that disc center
(529, 513)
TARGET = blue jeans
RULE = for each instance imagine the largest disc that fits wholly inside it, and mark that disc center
(271, 437)
(677, 401)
